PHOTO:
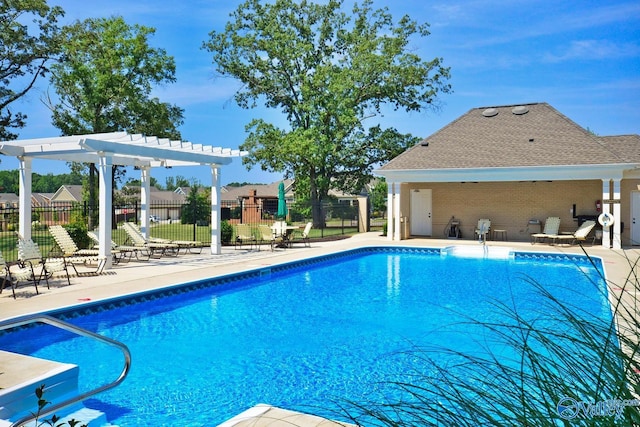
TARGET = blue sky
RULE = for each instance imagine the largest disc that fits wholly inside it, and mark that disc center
(583, 58)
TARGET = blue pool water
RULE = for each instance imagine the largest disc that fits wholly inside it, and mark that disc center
(300, 336)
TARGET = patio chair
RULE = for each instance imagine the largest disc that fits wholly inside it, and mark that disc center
(304, 235)
(156, 249)
(188, 245)
(29, 256)
(244, 234)
(122, 253)
(267, 235)
(580, 235)
(483, 228)
(551, 227)
(15, 276)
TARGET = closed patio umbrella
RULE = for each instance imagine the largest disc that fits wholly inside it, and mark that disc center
(282, 204)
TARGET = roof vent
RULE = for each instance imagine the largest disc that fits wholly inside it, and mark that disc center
(425, 143)
(520, 110)
(490, 112)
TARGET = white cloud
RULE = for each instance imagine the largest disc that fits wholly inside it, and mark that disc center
(594, 50)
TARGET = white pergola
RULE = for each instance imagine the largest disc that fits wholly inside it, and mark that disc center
(122, 149)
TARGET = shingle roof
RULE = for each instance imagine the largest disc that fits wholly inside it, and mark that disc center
(262, 190)
(510, 136)
(626, 146)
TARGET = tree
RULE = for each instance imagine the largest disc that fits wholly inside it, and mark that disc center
(173, 182)
(378, 197)
(328, 72)
(104, 84)
(197, 208)
(25, 50)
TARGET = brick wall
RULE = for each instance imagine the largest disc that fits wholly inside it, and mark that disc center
(510, 205)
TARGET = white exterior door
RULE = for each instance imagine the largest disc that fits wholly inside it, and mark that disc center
(635, 218)
(420, 219)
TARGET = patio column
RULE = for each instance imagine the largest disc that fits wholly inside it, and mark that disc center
(216, 244)
(390, 194)
(397, 235)
(145, 199)
(24, 213)
(105, 170)
(606, 195)
(616, 244)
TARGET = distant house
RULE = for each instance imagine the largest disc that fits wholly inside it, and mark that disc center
(67, 195)
(9, 201)
(516, 165)
(163, 204)
(252, 203)
(63, 201)
(8, 204)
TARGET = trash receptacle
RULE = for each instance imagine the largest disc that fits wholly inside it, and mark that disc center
(405, 231)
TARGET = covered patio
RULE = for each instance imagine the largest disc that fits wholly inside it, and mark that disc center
(118, 149)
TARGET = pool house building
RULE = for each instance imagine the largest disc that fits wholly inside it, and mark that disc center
(515, 165)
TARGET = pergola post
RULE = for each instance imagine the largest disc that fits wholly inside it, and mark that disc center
(105, 170)
(216, 244)
(24, 218)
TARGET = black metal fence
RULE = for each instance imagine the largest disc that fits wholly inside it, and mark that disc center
(175, 221)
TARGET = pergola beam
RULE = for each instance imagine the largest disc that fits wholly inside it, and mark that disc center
(122, 149)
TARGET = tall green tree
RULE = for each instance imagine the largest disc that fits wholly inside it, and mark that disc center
(104, 84)
(329, 72)
(28, 41)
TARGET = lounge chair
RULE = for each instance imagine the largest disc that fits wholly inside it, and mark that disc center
(580, 235)
(304, 235)
(65, 243)
(29, 256)
(155, 248)
(73, 255)
(12, 277)
(483, 228)
(124, 252)
(244, 234)
(551, 227)
(188, 245)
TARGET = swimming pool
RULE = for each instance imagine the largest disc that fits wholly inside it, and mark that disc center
(300, 335)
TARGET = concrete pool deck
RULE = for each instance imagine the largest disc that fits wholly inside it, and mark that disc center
(134, 277)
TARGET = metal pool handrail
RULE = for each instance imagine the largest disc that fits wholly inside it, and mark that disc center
(42, 318)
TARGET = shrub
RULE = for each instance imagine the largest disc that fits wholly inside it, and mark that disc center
(78, 233)
(226, 232)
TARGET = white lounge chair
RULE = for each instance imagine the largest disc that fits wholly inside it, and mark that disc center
(551, 227)
(122, 253)
(155, 248)
(188, 245)
(580, 235)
